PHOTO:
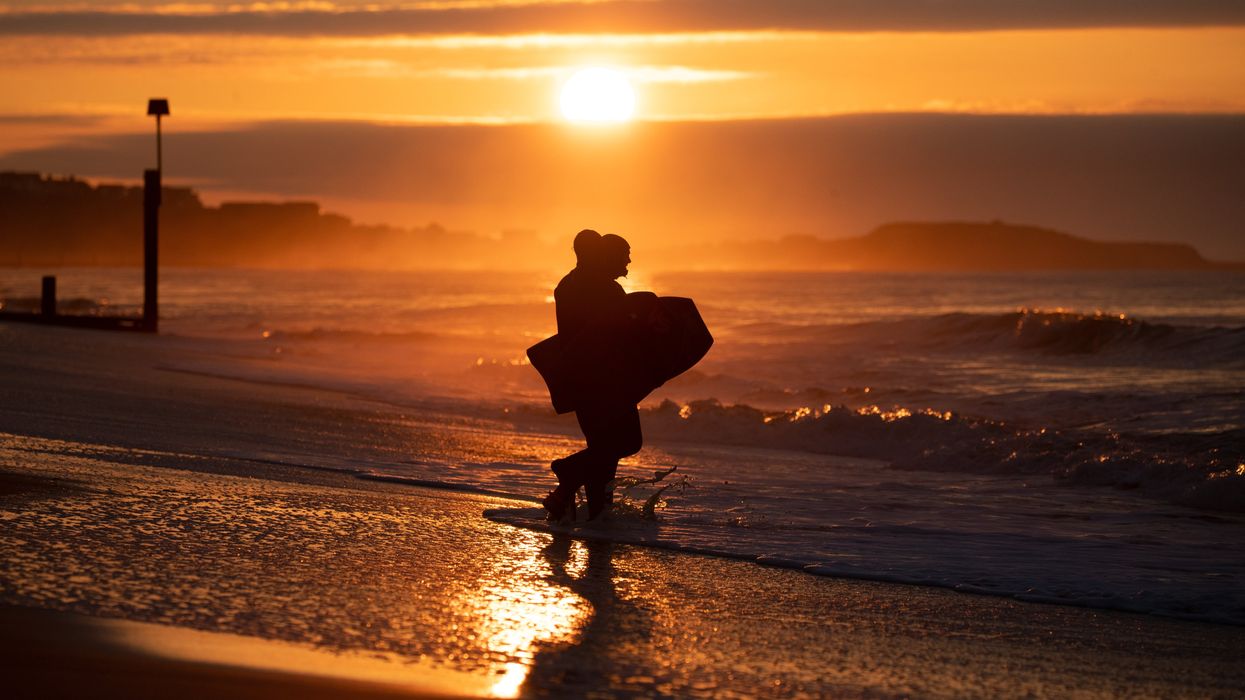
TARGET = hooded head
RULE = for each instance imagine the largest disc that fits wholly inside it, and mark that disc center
(587, 248)
(615, 255)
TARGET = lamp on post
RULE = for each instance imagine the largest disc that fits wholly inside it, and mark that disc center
(152, 187)
(158, 107)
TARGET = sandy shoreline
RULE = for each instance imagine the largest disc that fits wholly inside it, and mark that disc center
(119, 501)
(55, 654)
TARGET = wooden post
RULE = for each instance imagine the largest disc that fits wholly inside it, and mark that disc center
(159, 154)
(48, 306)
(151, 239)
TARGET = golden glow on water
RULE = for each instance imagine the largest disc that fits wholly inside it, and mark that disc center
(1227, 473)
(637, 281)
(809, 413)
(899, 413)
(519, 610)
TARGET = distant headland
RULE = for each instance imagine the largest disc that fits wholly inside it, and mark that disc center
(960, 246)
(53, 221)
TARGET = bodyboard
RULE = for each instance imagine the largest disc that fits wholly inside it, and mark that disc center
(674, 339)
(547, 357)
(665, 337)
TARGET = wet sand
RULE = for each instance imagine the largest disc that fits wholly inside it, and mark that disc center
(47, 654)
(160, 498)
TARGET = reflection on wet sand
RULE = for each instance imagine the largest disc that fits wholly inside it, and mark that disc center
(593, 659)
(545, 612)
(522, 607)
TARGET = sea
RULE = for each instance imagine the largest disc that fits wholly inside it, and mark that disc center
(1060, 437)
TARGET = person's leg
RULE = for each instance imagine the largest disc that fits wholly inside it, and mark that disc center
(612, 432)
(573, 470)
(615, 433)
(570, 470)
(559, 504)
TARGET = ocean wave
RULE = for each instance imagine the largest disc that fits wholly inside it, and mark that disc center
(79, 306)
(1204, 470)
(1057, 333)
(346, 335)
(1062, 332)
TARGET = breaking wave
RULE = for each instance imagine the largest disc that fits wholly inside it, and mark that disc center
(1066, 333)
(1056, 332)
(1205, 470)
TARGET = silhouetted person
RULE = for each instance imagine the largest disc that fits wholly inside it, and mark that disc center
(589, 301)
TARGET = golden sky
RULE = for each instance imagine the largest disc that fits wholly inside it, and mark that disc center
(414, 63)
(75, 77)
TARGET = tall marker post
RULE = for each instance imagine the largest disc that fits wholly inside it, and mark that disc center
(151, 224)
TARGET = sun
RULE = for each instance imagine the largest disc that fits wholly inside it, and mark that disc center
(597, 95)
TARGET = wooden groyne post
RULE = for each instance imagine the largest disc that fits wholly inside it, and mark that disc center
(47, 305)
(156, 107)
(151, 249)
(150, 320)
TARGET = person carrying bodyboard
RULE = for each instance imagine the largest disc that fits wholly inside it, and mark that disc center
(611, 350)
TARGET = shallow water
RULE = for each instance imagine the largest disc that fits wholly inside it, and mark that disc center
(1074, 437)
(413, 582)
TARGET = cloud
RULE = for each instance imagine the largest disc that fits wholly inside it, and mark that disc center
(43, 120)
(570, 41)
(639, 74)
(683, 74)
(630, 16)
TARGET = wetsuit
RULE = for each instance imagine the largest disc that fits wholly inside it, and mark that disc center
(589, 302)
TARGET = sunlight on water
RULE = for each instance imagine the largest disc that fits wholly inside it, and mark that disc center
(807, 413)
(519, 611)
(636, 282)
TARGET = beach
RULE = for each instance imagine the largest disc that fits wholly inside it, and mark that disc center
(147, 498)
(905, 342)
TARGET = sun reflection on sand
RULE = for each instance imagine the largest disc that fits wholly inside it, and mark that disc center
(519, 610)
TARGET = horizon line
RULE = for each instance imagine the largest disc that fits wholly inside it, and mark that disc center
(214, 122)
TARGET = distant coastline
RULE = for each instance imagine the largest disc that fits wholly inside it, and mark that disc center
(966, 246)
(53, 221)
